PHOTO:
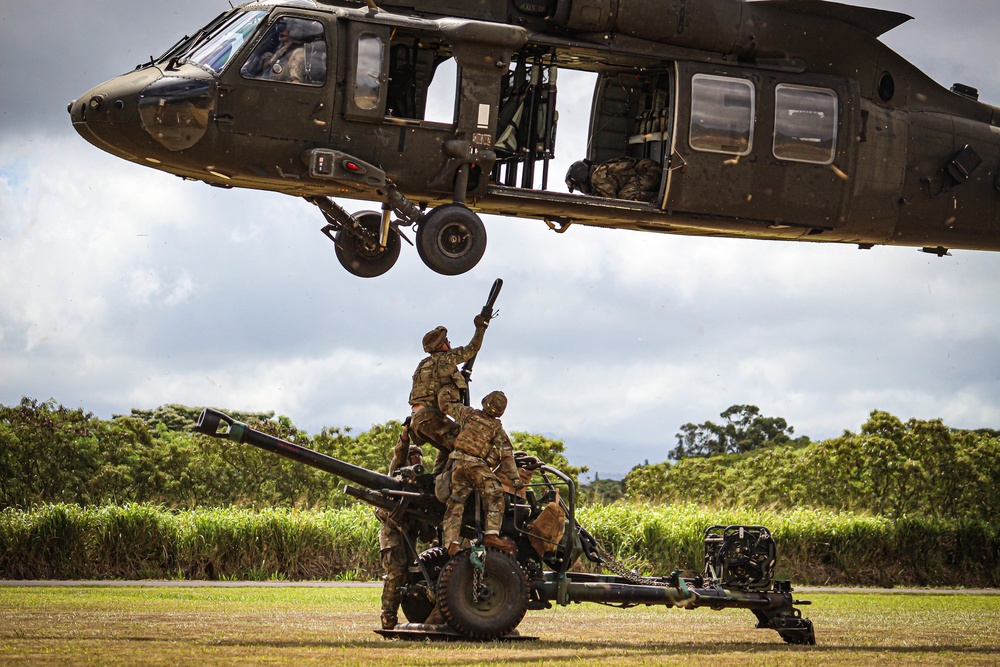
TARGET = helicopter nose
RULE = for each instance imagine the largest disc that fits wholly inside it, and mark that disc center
(106, 115)
(139, 114)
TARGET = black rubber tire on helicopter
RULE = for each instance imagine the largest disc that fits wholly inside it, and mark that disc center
(451, 239)
(503, 607)
(415, 605)
(359, 251)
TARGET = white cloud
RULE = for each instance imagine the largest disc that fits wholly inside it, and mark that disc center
(124, 287)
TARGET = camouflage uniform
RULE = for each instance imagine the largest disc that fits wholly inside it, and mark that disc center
(636, 179)
(480, 447)
(438, 371)
(287, 62)
(392, 550)
(392, 546)
(627, 178)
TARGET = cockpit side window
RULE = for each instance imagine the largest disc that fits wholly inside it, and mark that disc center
(216, 52)
(292, 51)
(722, 114)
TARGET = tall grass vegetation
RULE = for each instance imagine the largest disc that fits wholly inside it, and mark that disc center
(141, 496)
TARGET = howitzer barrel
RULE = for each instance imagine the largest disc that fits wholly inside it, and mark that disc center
(219, 425)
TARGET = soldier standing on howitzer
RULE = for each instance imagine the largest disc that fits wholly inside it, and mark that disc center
(439, 370)
(392, 545)
(481, 447)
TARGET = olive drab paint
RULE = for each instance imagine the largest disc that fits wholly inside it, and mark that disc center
(765, 120)
(540, 543)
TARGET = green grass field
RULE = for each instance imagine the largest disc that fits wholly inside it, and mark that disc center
(334, 626)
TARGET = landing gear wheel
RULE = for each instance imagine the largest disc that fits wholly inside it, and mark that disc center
(415, 604)
(451, 239)
(494, 610)
(359, 251)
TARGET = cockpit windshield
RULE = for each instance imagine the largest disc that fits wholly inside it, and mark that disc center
(218, 47)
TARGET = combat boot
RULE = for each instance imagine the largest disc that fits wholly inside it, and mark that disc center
(389, 620)
(501, 543)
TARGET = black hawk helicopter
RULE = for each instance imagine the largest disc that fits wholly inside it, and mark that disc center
(774, 119)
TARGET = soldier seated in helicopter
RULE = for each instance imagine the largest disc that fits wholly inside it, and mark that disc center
(637, 179)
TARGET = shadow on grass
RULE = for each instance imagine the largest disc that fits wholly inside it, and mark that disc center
(541, 648)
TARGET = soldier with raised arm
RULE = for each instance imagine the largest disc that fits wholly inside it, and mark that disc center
(482, 452)
(437, 371)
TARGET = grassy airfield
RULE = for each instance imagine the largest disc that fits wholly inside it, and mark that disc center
(333, 626)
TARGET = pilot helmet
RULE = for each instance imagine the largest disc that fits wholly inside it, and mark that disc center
(494, 403)
(434, 338)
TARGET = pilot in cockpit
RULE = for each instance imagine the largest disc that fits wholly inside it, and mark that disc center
(287, 62)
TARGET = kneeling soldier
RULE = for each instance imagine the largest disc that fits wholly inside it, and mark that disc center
(480, 447)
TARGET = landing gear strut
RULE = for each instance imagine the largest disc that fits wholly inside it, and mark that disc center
(359, 247)
(451, 239)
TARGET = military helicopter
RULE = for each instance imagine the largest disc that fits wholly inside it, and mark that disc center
(774, 119)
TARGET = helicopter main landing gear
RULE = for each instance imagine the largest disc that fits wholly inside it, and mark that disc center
(450, 239)
(358, 239)
(358, 247)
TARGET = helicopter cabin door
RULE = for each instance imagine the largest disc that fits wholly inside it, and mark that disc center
(283, 88)
(759, 146)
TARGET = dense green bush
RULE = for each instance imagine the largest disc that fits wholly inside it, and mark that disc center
(890, 468)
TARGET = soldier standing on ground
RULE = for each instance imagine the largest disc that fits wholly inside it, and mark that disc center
(439, 370)
(481, 446)
(391, 543)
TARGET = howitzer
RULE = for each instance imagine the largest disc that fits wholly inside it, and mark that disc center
(487, 314)
(484, 593)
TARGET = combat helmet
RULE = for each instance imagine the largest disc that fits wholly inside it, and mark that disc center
(494, 403)
(434, 338)
(578, 176)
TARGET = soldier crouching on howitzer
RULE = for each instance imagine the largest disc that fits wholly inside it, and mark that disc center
(481, 447)
(392, 545)
(440, 369)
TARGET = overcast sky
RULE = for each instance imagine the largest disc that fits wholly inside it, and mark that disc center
(125, 287)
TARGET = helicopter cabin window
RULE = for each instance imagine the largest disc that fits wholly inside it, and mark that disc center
(805, 124)
(292, 51)
(215, 53)
(722, 113)
(368, 75)
(422, 78)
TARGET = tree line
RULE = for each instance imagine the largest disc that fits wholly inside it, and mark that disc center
(890, 468)
(53, 454)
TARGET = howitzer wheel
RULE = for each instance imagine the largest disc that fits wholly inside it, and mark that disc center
(416, 606)
(500, 604)
(358, 249)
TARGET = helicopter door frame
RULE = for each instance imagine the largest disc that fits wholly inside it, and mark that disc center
(632, 116)
(367, 90)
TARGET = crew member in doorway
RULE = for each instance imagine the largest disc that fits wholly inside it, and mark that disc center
(636, 179)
